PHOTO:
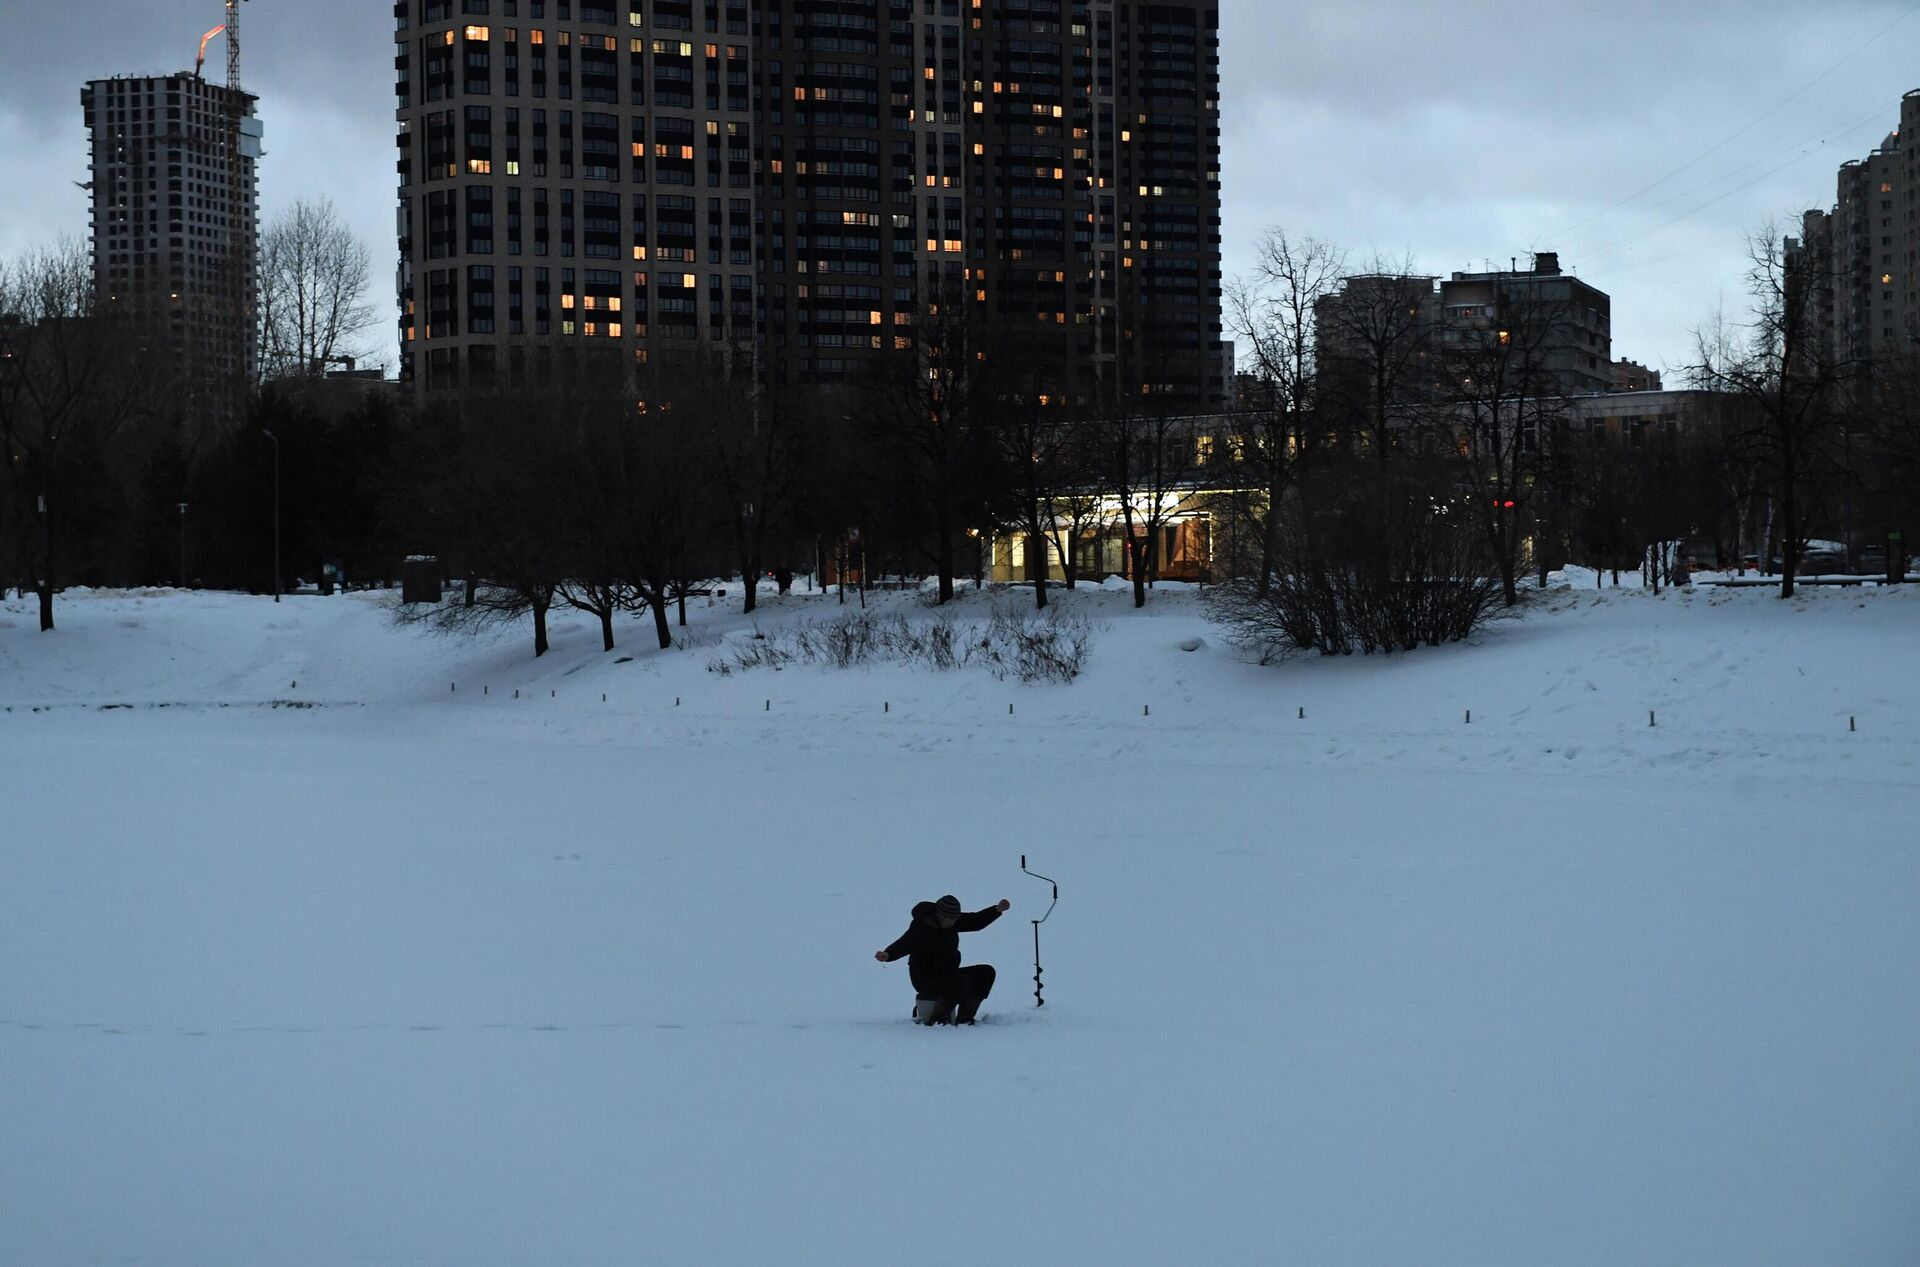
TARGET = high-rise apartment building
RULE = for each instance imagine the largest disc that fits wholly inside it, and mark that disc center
(798, 182)
(1808, 274)
(1869, 239)
(176, 217)
(1867, 305)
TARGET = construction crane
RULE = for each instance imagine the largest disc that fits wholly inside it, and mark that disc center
(240, 300)
(200, 62)
(233, 46)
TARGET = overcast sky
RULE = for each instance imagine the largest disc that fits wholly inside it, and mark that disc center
(1453, 131)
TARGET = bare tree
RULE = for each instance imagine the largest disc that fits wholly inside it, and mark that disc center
(669, 502)
(1373, 344)
(1499, 408)
(1038, 447)
(1794, 382)
(314, 276)
(501, 475)
(1147, 461)
(756, 435)
(72, 377)
(1076, 509)
(930, 438)
(1884, 469)
(1275, 314)
(602, 479)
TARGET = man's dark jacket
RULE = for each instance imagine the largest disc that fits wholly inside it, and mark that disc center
(933, 952)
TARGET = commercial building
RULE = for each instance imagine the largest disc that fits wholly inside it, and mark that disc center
(1410, 323)
(797, 183)
(1631, 376)
(1573, 320)
(175, 218)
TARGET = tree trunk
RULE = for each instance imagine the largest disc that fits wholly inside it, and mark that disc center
(540, 643)
(1037, 568)
(45, 586)
(1138, 549)
(1269, 545)
(943, 551)
(1789, 534)
(682, 604)
(606, 629)
(658, 602)
(750, 572)
(473, 588)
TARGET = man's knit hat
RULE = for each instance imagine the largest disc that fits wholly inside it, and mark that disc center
(948, 906)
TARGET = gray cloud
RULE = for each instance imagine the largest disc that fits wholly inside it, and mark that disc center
(1456, 131)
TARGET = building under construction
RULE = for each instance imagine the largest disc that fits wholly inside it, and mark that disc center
(176, 219)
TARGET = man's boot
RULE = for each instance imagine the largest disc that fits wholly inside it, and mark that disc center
(932, 1011)
(966, 1013)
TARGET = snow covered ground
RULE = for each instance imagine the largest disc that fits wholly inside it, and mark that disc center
(428, 973)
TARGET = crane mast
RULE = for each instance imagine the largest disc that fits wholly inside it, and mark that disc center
(240, 304)
(233, 48)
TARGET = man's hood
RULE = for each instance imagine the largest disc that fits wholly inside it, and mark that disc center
(926, 913)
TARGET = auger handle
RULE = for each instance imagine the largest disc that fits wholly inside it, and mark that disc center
(1037, 1000)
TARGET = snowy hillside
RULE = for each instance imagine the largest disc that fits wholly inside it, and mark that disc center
(482, 959)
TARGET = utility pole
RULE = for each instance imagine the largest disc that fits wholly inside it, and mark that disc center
(184, 584)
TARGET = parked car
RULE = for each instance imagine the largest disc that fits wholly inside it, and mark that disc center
(1822, 560)
(1870, 561)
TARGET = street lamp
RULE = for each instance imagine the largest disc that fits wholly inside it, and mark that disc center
(276, 513)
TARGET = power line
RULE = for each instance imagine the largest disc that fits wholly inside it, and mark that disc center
(1752, 123)
(1799, 148)
(1637, 238)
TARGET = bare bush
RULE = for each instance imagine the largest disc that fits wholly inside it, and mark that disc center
(1026, 648)
(1383, 565)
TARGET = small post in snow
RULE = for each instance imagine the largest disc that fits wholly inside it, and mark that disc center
(1650, 717)
(1469, 717)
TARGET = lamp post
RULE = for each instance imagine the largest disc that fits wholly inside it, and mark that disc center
(183, 545)
(276, 513)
